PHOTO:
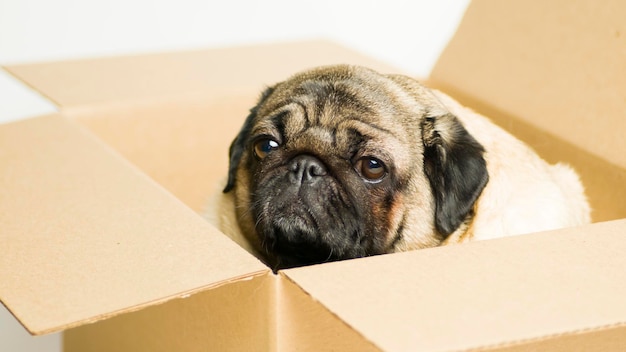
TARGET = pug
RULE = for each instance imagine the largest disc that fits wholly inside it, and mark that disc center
(343, 162)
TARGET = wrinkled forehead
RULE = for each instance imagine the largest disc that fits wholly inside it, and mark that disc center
(333, 102)
(343, 113)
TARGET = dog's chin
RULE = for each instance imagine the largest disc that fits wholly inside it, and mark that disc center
(293, 246)
(304, 234)
(294, 239)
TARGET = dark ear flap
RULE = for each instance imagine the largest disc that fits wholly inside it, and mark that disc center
(239, 143)
(456, 169)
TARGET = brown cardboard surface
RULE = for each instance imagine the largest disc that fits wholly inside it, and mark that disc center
(559, 65)
(304, 324)
(608, 339)
(490, 294)
(215, 72)
(85, 235)
(234, 317)
(180, 143)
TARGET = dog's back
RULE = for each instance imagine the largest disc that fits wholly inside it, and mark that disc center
(525, 194)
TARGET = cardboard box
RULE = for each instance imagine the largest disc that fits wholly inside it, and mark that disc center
(101, 238)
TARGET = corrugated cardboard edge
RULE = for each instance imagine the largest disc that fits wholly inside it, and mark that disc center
(32, 87)
(555, 340)
(164, 300)
(234, 317)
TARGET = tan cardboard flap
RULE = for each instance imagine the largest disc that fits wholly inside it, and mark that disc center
(180, 143)
(85, 235)
(235, 317)
(560, 65)
(304, 324)
(482, 294)
(216, 71)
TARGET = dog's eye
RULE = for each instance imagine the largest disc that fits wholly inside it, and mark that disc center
(371, 169)
(264, 147)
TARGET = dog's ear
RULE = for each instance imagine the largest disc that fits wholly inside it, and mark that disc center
(239, 143)
(455, 167)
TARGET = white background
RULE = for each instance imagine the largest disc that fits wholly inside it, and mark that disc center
(409, 34)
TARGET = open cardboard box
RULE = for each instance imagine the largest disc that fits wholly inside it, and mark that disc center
(100, 234)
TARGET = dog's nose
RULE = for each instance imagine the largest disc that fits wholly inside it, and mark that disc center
(306, 169)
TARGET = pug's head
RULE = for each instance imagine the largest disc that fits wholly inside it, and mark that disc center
(342, 162)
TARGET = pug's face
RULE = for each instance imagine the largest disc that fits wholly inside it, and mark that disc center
(343, 162)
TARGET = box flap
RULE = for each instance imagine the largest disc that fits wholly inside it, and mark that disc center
(130, 78)
(561, 66)
(86, 235)
(482, 294)
(303, 324)
(234, 317)
(182, 144)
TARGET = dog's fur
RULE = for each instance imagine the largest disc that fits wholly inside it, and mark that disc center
(450, 175)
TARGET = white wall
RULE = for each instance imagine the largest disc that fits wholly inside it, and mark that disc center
(409, 34)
